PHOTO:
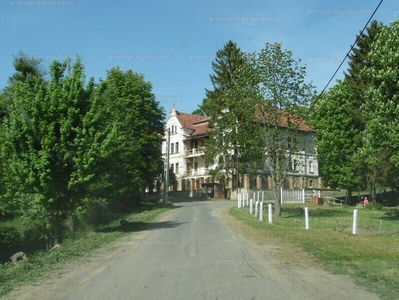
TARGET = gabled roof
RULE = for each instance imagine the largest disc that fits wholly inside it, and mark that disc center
(284, 119)
(188, 120)
(198, 124)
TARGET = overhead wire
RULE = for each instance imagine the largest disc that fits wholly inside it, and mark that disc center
(347, 54)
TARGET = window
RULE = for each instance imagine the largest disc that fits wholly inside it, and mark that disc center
(296, 165)
(311, 167)
(172, 148)
(172, 167)
(177, 147)
(177, 168)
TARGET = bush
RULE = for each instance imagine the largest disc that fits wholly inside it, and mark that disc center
(10, 241)
(377, 206)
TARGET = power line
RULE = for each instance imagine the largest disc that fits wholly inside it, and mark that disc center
(347, 54)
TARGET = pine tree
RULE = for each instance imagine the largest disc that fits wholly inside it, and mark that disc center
(230, 117)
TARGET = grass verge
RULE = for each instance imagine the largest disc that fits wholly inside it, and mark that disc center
(43, 263)
(371, 257)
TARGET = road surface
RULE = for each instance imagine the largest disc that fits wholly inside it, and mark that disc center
(192, 254)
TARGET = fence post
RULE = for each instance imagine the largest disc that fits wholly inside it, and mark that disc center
(256, 208)
(306, 217)
(261, 211)
(303, 195)
(238, 200)
(354, 229)
(250, 206)
(270, 213)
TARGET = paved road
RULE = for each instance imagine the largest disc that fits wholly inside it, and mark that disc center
(193, 255)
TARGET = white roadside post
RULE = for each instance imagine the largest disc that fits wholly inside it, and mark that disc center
(270, 213)
(250, 206)
(256, 208)
(261, 211)
(239, 200)
(306, 217)
(354, 230)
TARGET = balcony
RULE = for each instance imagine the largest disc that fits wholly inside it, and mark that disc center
(196, 172)
(194, 152)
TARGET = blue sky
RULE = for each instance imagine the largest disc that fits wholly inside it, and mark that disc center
(173, 42)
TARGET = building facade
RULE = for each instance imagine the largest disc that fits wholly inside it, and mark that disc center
(188, 136)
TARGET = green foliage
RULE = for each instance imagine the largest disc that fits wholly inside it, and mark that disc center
(337, 138)
(40, 143)
(229, 113)
(342, 122)
(203, 109)
(65, 144)
(10, 242)
(123, 130)
(277, 83)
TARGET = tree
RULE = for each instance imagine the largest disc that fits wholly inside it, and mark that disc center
(358, 60)
(340, 122)
(40, 140)
(27, 66)
(337, 138)
(225, 106)
(381, 138)
(203, 109)
(282, 98)
(124, 132)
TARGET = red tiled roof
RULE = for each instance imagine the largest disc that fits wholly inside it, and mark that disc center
(200, 124)
(284, 119)
(188, 120)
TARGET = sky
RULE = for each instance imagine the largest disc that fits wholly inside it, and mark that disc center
(173, 42)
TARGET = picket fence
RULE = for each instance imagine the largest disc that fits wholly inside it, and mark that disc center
(287, 196)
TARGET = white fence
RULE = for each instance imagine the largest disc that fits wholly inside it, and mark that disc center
(297, 196)
(287, 196)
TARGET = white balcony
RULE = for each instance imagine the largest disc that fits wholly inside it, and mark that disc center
(194, 152)
(196, 172)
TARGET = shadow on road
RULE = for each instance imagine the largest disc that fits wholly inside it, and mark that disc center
(140, 226)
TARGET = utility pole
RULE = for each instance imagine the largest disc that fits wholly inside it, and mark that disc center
(166, 182)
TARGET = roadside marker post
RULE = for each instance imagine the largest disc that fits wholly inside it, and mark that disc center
(256, 208)
(307, 217)
(270, 213)
(355, 216)
(250, 206)
(261, 211)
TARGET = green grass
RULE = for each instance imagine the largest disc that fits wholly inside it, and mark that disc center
(371, 257)
(82, 243)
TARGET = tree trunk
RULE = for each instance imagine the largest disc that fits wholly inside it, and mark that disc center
(374, 194)
(277, 195)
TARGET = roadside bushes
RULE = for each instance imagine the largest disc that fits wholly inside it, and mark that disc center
(10, 242)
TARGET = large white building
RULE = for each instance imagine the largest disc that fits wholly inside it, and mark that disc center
(188, 135)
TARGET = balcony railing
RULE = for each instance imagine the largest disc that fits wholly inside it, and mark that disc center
(196, 172)
(195, 152)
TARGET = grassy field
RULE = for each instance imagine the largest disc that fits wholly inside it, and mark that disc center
(371, 257)
(80, 245)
